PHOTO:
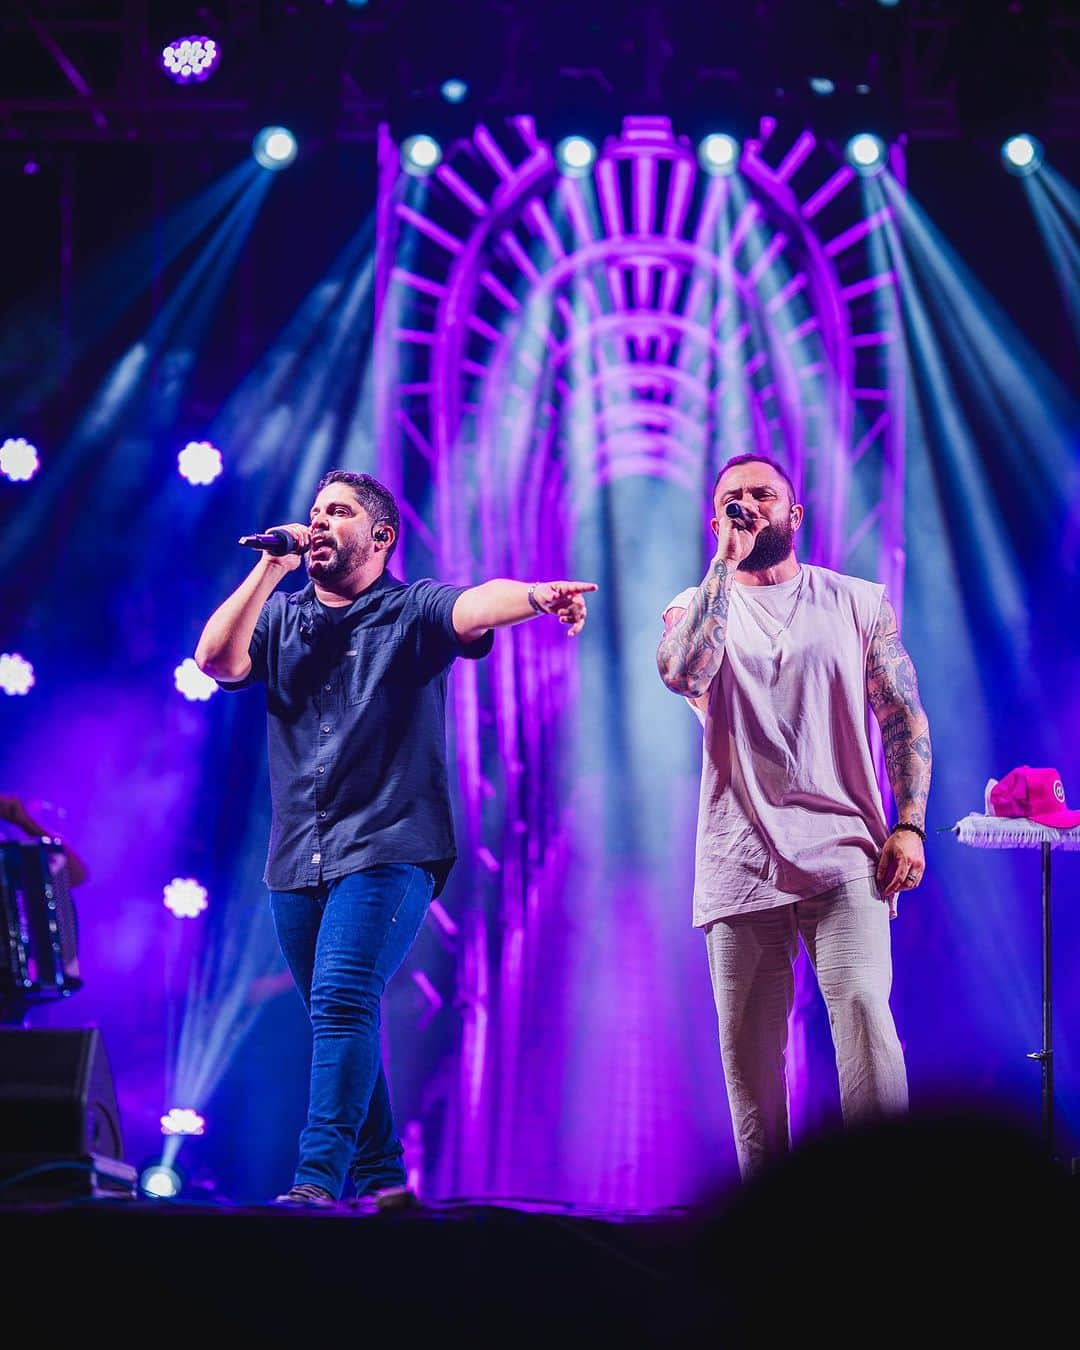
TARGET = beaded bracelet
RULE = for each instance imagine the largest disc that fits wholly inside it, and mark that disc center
(906, 825)
(533, 600)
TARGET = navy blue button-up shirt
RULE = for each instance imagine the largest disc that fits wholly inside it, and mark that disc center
(356, 726)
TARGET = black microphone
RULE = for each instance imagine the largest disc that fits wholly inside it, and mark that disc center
(276, 542)
(733, 509)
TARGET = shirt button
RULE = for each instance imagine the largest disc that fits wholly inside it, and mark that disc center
(326, 728)
(321, 768)
(322, 815)
(328, 687)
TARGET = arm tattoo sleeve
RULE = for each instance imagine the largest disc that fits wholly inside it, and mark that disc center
(892, 689)
(690, 652)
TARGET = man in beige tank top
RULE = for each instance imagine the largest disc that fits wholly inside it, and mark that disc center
(780, 660)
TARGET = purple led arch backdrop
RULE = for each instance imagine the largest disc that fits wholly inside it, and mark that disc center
(562, 364)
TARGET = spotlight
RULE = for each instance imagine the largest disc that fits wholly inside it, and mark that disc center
(160, 1182)
(576, 155)
(718, 153)
(274, 148)
(420, 155)
(183, 1120)
(1022, 155)
(199, 462)
(866, 154)
(16, 673)
(195, 686)
(822, 85)
(19, 459)
(31, 167)
(190, 59)
(454, 90)
(185, 898)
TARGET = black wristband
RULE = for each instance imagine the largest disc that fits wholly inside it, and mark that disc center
(906, 825)
(533, 600)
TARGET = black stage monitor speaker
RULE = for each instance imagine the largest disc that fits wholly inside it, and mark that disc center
(39, 957)
(59, 1123)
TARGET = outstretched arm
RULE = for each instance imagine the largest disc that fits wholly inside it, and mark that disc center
(892, 689)
(499, 603)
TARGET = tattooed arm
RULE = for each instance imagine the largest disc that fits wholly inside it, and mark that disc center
(892, 689)
(692, 648)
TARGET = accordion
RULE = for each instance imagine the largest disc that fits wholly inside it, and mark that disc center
(38, 929)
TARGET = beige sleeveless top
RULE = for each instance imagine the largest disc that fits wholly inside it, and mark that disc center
(789, 802)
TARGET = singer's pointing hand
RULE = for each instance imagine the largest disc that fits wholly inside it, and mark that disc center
(566, 599)
(289, 562)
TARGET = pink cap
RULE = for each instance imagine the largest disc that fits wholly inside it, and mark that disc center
(1037, 794)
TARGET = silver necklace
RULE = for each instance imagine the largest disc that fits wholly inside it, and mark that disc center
(752, 609)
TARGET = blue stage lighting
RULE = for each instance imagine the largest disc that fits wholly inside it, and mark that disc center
(274, 148)
(822, 85)
(866, 154)
(1022, 155)
(420, 155)
(454, 90)
(718, 153)
(160, 1182)
(575, 154)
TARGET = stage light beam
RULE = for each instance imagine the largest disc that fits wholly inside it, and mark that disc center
(160, 1182)
(182, 1120)
(274, 148)
(1022, 155)
(185, 898)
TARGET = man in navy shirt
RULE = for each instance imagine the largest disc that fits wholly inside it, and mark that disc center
(355, 667)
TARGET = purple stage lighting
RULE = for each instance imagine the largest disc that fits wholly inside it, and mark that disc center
(192, 683)
(183, 1120)
(185, 898)
(19, 459)
(199, 462)
(190, 59)
(16, 674)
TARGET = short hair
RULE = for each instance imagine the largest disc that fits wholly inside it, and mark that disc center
(756, 459)
(377, 501)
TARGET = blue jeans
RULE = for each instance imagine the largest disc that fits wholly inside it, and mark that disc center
(342, 943)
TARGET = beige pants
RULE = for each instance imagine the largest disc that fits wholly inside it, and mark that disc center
(751, 960)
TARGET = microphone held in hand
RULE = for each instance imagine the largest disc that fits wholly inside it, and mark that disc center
(733, 509)
(275, 542)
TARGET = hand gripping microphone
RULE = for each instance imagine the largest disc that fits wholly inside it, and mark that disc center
(276, 542)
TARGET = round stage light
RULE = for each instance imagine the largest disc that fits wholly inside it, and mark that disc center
(195, 686)
(575, 154)
(19, 460)
(183, 1120)
(454, 90)
(1022, 155)
(159, 1182)
(190, 59)
(274, 148)
(16, 673)
(718, 153)
(199, 462)
(822, 85)
(420, 155)
(866, 153)
(185, 898)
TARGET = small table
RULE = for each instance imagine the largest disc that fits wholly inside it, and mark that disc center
(982, 831)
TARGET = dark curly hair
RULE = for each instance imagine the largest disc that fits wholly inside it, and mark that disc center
(756, 459)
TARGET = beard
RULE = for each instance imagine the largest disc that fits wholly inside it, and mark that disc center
(772, 546)
(337, 562)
